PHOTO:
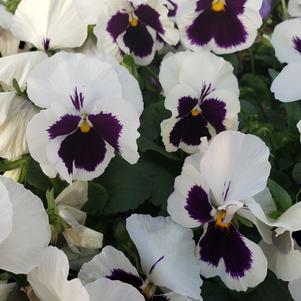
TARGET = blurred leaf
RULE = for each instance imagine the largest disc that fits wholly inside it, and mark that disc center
(36, 177)
(296, 174)
(280, 196)
(97, 199)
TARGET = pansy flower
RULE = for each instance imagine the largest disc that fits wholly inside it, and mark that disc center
(68, 205)
(223, 26)
(167, 258)
(22, 213)
(202, 94)
(49, 24)
(136, 28)
(286, 40)
(92, 111)
(15, 110)
(210, 193)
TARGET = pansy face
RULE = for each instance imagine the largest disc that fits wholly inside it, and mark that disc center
(86, 122)
(173, 265)
(134, 28)
(223, 26)
(211, 192)
(203, 103)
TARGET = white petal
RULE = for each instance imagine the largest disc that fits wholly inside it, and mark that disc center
(15, 113)
(294, 9)
(286, 85)
(235, 166)
(283, 40)
(283, 260)
(14, 174)
(70, 71)
(49, 279)
(25, 246)
(105, 289)
(295, 289)
(18, 67)
(299, 128)
(75, 195)
(6, 211)
(167, 255)
(90, 10)
(104, 263)
(56, 20)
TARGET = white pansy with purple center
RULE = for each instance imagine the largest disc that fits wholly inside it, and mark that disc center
(49, 24)
(202, 94)
(210, 192)
(286, 40)
(223, 26)
(92, 111)
(167, 257)
(127, 27)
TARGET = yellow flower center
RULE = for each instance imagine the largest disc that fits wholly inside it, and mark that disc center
(134, 21)
(196, 112)
(218, 5)
(219, 220)
(85, 127)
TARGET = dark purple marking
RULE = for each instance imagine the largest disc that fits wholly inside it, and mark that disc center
(155, 264)
(214, 112)
(139, 41)
(226, 244)
(83, 150)
(185, 105)
(126, 277)
(224, 27)
(77, 99)
(225, 192)
(118, 24)
(149, 17)
(190, 130)
(297, 44)
(66, 125)
(46, 43)
(206, 90)
(198, 205)
(172, 8)
(108, 127)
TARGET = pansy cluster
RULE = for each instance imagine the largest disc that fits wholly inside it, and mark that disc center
(143, 155)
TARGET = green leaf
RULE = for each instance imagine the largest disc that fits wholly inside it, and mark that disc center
(36, 178)
(213, 291)
(280, 195)
(293, 114)
(127, 184)
(6, 165)
(97, 199)
(296, 173)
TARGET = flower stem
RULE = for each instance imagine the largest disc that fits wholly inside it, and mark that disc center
(284, 10)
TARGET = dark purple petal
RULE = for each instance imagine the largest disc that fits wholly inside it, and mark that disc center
(189, 130)
(66, 125)
(214, 111)
(297, 44)
(108, 127)
(125, 277)
(198, 205)
(139, 41)
(118, 24)
(234, 6)
(226, 244)
(203, 4)
(149, 17)
(186, 104)
(77, 99)
(265, 8)
(84, 150)
(172, 8)
(224, 27)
